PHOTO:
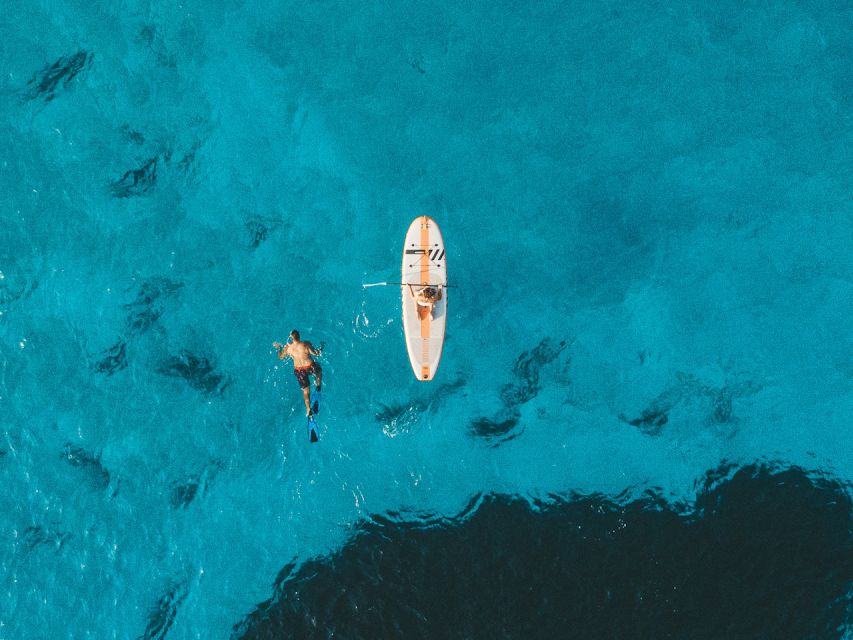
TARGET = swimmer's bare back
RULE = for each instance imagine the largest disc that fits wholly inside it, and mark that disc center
(300, 352)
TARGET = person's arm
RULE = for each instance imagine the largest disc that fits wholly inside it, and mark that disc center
(282, 350)
(315, 351)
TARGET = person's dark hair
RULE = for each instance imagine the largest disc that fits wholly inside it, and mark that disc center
(294, 334)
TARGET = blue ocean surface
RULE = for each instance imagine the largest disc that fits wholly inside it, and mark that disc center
(648, 213)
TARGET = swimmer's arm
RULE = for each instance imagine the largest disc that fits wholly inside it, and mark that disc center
(282, 350)
(314, 351)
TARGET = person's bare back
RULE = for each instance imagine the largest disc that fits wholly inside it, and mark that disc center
(301, 353)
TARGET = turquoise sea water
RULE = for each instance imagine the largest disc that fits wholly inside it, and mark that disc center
(647, 210)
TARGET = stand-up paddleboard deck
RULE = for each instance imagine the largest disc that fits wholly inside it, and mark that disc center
(424, 263)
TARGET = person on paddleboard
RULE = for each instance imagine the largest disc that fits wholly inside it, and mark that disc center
(425, 297)
(303, 364)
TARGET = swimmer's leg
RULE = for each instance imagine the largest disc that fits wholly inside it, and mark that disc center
(318, 376)
(306, 395)
(315, 402)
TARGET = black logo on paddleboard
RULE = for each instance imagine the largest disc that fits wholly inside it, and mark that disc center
(434, 254)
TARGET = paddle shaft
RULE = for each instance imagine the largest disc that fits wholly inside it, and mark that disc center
(413, 284)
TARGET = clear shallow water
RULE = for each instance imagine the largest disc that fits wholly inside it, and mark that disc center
(665, 191)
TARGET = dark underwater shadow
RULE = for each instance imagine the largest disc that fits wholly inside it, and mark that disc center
(142, 314)
(524, 387)
(40, 536)
(198, 372)
(717, 401)
(162, 615)
(762, 553)
(193, 486)
(136, 182)
(400, 417)
(88, 463)
(53, 77)
(259, 229)
(9, 295)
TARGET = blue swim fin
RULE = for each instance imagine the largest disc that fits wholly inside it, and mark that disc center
(313, 435)
(315, 402)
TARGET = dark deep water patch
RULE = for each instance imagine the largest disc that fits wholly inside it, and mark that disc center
(763, 554)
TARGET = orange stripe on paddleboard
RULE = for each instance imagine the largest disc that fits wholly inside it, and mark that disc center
(425, 323)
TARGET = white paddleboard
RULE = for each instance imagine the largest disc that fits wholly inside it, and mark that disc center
(424, 264)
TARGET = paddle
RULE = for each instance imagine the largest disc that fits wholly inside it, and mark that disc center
(414, 284)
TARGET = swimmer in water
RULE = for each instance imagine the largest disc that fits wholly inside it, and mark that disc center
(303, 364)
